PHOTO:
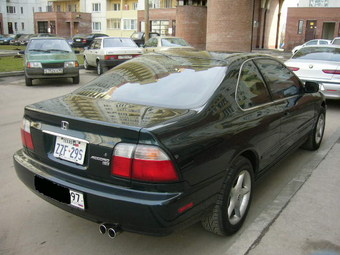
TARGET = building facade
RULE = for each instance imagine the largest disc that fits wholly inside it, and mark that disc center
(18, 15)
(313, 19)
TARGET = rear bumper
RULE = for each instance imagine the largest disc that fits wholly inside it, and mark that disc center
(112, 63)
(154, 213)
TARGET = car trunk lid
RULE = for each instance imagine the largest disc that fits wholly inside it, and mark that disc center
(92, 125)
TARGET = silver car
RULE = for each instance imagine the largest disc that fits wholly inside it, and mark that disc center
(320, 64)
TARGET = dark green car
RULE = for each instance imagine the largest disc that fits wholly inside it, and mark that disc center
(50, 57)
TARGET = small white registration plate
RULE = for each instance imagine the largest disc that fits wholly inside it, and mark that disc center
(77, 199)
(53, 71)
(70, 149)
(125, 57)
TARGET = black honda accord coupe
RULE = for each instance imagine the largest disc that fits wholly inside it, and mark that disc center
(168, 139)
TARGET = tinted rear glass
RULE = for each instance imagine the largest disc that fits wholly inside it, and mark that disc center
(161, 81)
(318, 53)
(118, 42)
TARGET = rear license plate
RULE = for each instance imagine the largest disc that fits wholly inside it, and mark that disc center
(124, 57)
(59, 193)
(53, 71)
(70, 150)
(77, 199)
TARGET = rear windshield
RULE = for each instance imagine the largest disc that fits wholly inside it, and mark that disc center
(318, 53)
(118, 42)
(157, 82)
(336, 41)
(174, 42)
(40, 45)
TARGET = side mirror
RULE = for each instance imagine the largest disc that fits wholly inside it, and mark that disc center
(22, 52)
(311, 87)
(76, 51)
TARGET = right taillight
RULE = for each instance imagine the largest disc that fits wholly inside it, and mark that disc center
(294, 68)
(143, 162)
(331, 71)
(26, 136)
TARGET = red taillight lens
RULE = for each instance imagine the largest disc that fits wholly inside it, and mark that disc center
(109, 57)
(84, 40)
(294, 68)
(143, 162)
(329, 71)
(26, 134)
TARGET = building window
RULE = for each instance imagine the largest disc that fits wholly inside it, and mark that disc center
(135, 6)
(11, 9)
(116, 7)
(22, 26)
(40, 9)
(318, 3)
(130, 24)
(96, 7)
(96, 26)
(58, 8)
(160, 26)
(168, 4)
(15, 26)
(22, 10)
(69, 7)
(113, 23)
(300, 27)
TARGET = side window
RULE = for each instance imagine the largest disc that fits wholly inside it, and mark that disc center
(281, 81)
(323, 42)
(251, 90)
(97, 44)
(151, 43)
(313, 42)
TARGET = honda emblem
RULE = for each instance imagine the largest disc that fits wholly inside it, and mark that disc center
(64, 125)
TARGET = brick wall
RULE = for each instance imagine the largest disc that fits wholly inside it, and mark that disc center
(229, 25)
(192, 25)
(321, 15)
(67, 24)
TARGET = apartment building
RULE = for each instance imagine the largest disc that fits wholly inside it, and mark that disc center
(17, 16)
(313, 19)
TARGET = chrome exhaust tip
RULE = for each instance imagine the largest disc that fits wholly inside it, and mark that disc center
(113, 231)
(103, 228)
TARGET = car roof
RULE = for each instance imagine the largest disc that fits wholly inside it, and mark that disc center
(48, 38)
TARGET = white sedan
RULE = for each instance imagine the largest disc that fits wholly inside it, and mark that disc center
(107, 52)
(161, 43)
(320, 64)
(310, 43)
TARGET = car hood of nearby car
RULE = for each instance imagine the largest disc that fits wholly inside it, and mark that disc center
(48, 57)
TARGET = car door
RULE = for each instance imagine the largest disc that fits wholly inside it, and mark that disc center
(287, 91)
(93, 52)
(151, 45)
(261, 118)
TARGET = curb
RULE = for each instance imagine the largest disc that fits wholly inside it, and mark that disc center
(9, 74)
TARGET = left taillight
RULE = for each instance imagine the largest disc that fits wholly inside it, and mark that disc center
(26, 136)
(143, 162)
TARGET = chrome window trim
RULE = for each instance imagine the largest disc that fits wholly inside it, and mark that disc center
(261, 105)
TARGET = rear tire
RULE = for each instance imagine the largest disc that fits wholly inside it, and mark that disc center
(28, 81)
(315, 137)
(233, 201)
(99, 68)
